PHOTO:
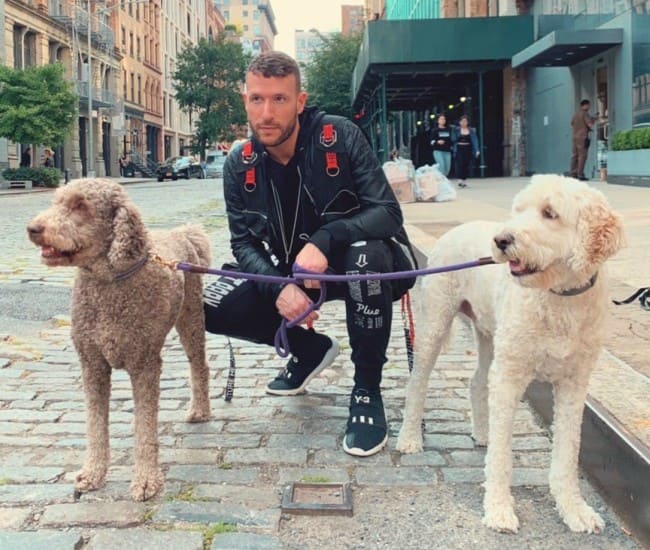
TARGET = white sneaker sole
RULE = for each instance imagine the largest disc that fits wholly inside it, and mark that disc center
(327, 360)
(356, 451)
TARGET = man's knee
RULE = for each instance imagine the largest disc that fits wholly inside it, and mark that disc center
(368, 256)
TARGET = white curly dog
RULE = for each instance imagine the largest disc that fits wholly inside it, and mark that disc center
(538, 314)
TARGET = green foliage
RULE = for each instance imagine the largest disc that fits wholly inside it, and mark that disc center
(208, 81)
(637, 138)
(329, 75)
(43, 177)
(37, 105)
(210, 531)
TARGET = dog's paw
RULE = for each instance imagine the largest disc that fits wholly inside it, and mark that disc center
(582, 518)
(146, 484)
(90, 479)
(408, 445)
(198, 413)
(501, 518)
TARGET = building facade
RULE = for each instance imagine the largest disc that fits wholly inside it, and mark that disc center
(519, 93)
(253, 21)
(353, 19)
(120, 57)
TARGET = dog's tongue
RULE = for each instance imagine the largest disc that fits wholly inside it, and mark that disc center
(516, 266)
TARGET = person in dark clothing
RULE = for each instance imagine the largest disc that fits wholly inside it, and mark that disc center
(441, 143)
(26, 158)
(465, 147)
(307, 188)
(581, 124)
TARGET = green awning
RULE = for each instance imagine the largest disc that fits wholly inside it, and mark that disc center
(418, 59)
(564, 48)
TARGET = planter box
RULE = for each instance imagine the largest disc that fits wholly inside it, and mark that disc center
(629, 167)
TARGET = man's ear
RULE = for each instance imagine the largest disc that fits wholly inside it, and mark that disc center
(244, 95)
(302, 101)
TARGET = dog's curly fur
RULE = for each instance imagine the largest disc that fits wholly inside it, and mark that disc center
(560, 234)
(121, 314)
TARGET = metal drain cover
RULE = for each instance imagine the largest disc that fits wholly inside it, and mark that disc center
(317, 499)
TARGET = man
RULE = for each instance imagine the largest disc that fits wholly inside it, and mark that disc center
(26, 158)
(581, 124)
(308, 189)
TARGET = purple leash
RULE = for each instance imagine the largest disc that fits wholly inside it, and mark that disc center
(281, 341)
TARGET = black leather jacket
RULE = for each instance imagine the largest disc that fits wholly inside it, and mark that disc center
(357, 204)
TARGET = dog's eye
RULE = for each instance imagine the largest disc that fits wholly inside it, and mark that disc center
(549, 213)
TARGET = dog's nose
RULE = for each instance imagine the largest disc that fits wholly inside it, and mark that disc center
(503, 241)
(35, 229)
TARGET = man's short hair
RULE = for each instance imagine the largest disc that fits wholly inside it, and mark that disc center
(275, 64)
(585, 102)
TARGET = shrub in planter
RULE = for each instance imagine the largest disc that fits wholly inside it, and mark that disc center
(625, 140)
(43, 177)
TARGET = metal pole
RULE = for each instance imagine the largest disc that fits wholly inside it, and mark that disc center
(91, 156)
(480, 121)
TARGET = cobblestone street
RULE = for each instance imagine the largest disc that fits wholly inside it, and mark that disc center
(224, 478)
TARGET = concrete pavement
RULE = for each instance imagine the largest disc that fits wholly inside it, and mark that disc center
(228, 474)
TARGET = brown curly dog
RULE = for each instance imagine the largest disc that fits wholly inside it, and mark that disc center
(123, 306)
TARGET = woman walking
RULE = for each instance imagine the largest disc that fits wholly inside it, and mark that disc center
(465, 146)
(441, 143)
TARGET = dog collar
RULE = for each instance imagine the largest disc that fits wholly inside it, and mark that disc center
(137, 266)
(579, 289)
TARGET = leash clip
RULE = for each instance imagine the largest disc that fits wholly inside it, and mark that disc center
(171, 264)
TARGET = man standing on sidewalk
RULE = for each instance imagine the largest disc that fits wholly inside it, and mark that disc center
(581, 124)
(307, 188)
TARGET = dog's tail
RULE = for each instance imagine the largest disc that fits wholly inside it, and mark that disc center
(201, 243)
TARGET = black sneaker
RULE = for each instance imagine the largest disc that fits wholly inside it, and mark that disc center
(366, 433)
(293, 379)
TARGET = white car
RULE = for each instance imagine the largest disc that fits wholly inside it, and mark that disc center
(214, 164)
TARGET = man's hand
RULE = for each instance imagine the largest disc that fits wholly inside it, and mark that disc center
(292, 302)
(312, 259)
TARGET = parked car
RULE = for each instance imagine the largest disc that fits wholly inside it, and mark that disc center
(179, 167)
(214, 164)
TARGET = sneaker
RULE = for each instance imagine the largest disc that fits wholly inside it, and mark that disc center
(366, 433)
(461, 183)
(293, 379)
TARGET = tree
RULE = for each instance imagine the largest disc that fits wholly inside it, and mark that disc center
(328, 75)
(37, 105)
(208, 82)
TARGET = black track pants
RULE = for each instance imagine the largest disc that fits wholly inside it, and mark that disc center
(234, 307)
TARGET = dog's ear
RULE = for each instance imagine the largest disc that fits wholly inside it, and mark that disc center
(601, 234)
(129, 236)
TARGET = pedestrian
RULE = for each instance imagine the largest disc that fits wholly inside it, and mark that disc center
(307, 188)
(441, 143)
(124, 163)
(581, 124)
(26, 157)
(465, 147)
(48, 161)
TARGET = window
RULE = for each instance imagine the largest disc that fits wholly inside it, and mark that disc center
(124, 84)
(137, 48)
(131, 44)
(132, 87)
(244, 13)
(139, 90)
(245, 28)
(123, 39)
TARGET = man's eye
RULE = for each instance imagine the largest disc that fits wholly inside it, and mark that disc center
(280, 99)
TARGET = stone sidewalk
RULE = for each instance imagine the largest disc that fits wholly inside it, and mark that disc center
(224, 478)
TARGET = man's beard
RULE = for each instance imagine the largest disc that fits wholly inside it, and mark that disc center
(284, 136)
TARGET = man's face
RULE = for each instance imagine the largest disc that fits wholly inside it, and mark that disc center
(586, 106)
(272, 106)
